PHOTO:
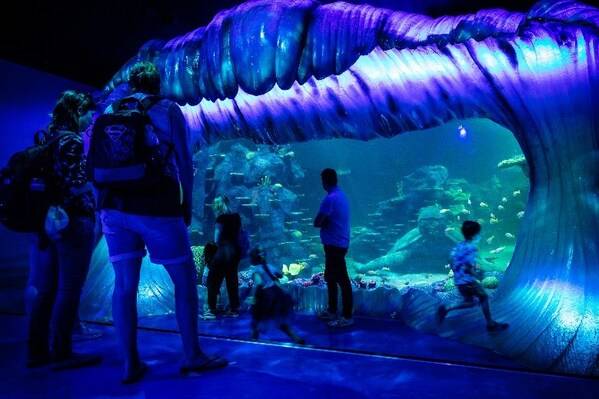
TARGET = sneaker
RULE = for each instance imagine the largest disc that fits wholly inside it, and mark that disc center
(341, 322)
(326, 315)
(231, 313)
(441, 313)
(209, 315)
(495, 326)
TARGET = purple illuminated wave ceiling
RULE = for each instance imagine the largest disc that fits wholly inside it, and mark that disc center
(290, 71)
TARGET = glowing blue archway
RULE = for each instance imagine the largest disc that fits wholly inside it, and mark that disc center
(280, 72)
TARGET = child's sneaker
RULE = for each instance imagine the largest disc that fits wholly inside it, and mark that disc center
(209, 315)
(326, 315)
(495, 326)
(231, 313)
(341, 322)
(441, 313)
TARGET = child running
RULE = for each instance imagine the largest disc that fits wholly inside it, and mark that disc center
(465, 271)
(270, 303)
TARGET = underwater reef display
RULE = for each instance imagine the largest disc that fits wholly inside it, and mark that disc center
(278, 72)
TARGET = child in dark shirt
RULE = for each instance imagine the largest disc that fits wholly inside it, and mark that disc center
(270, 303)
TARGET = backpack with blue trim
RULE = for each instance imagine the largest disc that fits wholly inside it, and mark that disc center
(125, 151)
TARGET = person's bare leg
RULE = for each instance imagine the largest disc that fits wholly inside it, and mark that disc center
(291, 334)
(463, 305)
(183, 276)
(442, 311)
(186, 307)
(124, 313)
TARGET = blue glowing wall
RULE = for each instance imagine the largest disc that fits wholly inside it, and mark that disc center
(278, 72)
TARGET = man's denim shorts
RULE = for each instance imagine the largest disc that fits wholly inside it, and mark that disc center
(129, 235)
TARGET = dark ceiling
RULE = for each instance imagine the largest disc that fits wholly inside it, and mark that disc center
(87, 41)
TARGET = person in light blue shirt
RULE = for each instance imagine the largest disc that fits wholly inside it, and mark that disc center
(465, 275)
(333, 220)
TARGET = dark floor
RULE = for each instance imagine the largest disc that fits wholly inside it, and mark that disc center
(268, 370)
(367, 336)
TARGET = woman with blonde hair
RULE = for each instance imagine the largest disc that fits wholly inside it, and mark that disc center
(225, 264)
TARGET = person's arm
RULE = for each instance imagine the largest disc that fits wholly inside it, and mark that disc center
(325, 211)
(182, 149)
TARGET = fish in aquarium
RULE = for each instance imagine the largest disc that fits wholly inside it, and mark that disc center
(497, 250)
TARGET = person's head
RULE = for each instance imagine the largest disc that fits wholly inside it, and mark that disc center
(470, 229)
(221, 205)
(257, 256)
(144, 78)
(71, 111)
(329, 178)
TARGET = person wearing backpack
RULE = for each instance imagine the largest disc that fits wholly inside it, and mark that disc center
(141, 164)
(63, 232)
(233, 245)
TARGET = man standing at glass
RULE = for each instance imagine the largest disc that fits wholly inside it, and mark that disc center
(333, 222)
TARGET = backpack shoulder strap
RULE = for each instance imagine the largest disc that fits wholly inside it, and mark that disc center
(119, 104)
(59, 135)
(143, 104)
(148, 101)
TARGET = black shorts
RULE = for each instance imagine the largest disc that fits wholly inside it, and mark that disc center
(471, 290)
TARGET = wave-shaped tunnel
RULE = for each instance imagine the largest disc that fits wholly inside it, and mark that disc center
(280, 72)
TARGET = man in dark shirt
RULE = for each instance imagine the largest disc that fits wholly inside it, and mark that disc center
(333, 222)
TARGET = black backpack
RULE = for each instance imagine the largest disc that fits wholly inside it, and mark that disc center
(125, 152)
(28, 186)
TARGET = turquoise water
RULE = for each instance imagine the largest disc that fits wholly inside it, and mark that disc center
(408, 197)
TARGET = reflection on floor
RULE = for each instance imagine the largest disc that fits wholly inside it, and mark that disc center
(368, 335)
(261, 370)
